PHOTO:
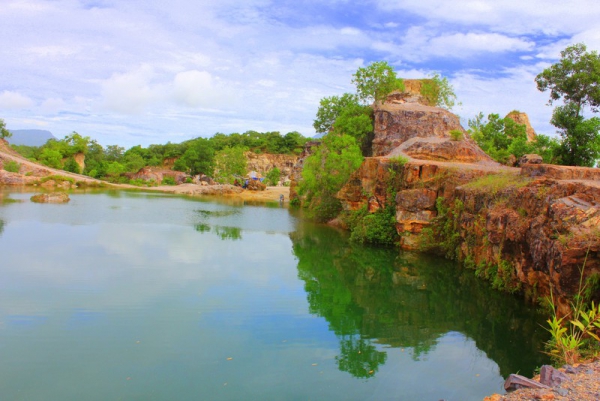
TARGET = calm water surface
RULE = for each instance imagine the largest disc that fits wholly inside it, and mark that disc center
(133, 296)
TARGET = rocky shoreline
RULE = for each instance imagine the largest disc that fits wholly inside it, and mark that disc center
(569, 383)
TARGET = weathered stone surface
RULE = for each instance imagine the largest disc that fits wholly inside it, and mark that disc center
(530, 159)
(516, 382)
(53, 197)
(445, 150)
(522, 118)
(396, 123)
(561, 172)
(416, 199)
(157, 174)
(552, 377)
(263, 163)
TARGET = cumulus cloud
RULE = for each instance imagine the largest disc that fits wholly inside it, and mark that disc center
(198, 89)
(456, 45)
(14, 100)
(130, 92)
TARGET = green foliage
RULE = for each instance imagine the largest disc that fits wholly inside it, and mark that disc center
(494, 183)
(51, 158)
(580, 145)
(439, 92)
(273, 176)
(12, 166)
(574, 336)
(229, 163)
(168, 180)
(199, 158)
(57, 178)
(375, 81)
(72, 166)
(374, 228)
(576, 80)
(4, 133)
(456, 135)
(399, 160)
(326, 171)
(502, 137)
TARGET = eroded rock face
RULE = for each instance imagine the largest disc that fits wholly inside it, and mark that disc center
(560, 172)
(264, 162)
(537, 235)
(157, 174)
(396, 123)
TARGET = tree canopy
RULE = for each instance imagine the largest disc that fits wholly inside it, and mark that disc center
(375, 81)
(575, 79)
(4, 133)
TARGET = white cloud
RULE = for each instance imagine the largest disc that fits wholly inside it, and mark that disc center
(53, 105)
(129, 93)
(14, 100)
(460, 44)
(198, 88)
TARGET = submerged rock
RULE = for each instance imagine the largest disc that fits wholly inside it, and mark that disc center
(54, 197)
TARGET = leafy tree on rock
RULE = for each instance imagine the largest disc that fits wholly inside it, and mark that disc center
(439, 92)
(376, 81)
(576, 80)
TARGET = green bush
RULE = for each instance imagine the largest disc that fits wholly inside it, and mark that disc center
(456, 135)
(168, 180)
(374, 228)
(12, 166)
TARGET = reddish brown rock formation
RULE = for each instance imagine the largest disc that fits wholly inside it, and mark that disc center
(522, 118)
(560, 172)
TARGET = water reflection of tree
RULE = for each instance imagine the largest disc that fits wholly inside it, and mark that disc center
(225, 233)
(368, 294)
(1, 226)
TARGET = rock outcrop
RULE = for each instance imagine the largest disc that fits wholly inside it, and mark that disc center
(522, 118)
(157, 174)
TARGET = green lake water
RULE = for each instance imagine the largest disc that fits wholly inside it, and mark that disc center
(137, 296)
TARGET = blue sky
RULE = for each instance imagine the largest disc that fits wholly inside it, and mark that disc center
(134, 72)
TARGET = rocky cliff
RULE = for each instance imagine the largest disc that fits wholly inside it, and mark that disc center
(262, 163)
(529, 230)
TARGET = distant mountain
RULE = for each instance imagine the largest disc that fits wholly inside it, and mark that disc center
(29, 137)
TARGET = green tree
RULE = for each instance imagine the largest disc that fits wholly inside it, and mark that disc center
(326, 171)
(199, 158)
(273, 176)
(576, 80)
(502, 137)
(375, 81)
(580, 140)
(345, 115)
(72, 166)
(4, 133)
(230, 162)
(51, 158)
(439, 91)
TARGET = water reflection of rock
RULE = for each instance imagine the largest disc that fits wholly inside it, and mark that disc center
(376, 296)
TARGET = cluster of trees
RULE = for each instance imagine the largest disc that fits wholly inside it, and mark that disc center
(221, 153)
(574, 80)
(504, 139)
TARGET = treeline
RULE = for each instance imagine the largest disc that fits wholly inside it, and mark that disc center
(196, 156)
